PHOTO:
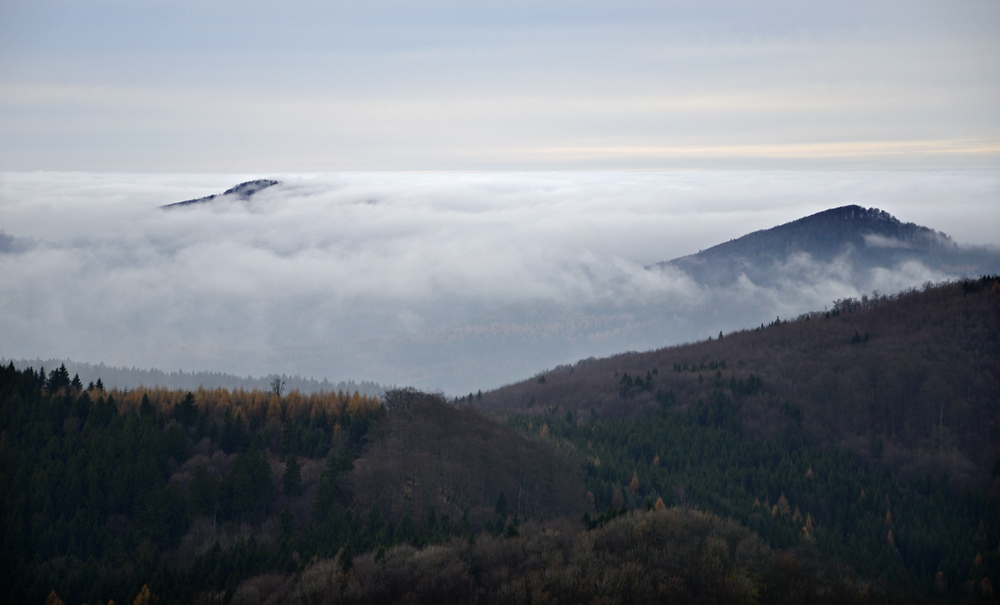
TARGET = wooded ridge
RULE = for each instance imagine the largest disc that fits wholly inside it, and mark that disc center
(847, 455)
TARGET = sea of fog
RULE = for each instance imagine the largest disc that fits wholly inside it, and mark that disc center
(451, 281)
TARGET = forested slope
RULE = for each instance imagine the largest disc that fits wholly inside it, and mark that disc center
(868, 432)
(858, 239)
(911, 380)
(188, 493)
(846, 456)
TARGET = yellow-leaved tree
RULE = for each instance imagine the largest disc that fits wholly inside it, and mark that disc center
(782, 505)
(145, 597)
(53, 598)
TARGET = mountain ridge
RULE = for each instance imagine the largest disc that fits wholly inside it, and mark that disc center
(878, 369)
(860, 238)
(242, 192)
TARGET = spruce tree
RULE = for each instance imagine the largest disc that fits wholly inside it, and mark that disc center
(292, 480)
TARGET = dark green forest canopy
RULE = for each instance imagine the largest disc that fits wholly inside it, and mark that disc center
(100, 497)
(811, 444)
(104, 493)
(791, 491)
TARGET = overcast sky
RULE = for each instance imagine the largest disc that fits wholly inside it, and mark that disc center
(299, 85)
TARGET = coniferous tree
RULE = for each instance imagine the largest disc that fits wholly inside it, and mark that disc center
(58, 379)
(203, 492)
(186, 412)
(292, 479)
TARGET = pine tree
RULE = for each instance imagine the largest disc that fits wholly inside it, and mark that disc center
(292, 480)
(186, 412)
(146, 407)
(58, 379)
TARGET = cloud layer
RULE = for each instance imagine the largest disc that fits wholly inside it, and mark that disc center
(331, 275)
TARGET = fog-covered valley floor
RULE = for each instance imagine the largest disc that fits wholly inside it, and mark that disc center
(450, 281)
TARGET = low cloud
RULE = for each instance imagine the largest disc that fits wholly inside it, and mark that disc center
(324, 275)
(880, 241)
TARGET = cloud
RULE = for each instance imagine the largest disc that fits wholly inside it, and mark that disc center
(880, 241)
(332, 274)
(13, 245)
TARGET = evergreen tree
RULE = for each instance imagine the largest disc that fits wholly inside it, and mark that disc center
(146, 407)
(58, 379)
(186, 412)
(292, 479)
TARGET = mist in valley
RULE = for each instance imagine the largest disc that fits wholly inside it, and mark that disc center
(445, 281)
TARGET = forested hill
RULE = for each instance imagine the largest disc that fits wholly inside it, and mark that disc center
(867, 433)
(910, 380)
(845, 456)
(105, 494)
(860, 238)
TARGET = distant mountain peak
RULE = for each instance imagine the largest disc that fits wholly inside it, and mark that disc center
(241, 192)
(852, 224)
(855, 212)
(869, 237)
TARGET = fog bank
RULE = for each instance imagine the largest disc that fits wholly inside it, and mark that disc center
(432, 279)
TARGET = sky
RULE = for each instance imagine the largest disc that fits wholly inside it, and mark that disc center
(218, 86)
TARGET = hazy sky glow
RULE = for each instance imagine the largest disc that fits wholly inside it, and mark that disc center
(221, 86)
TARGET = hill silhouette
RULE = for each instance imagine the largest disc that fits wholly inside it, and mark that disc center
(242, 192)
(860, 238)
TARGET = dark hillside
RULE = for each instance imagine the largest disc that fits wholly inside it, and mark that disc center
(911, 380)
(107, 493)
(426, 455)
(860, 238)
(868, 433)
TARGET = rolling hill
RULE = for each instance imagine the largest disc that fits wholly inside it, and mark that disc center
(864, 238)
(916, 371)
(844, 456)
